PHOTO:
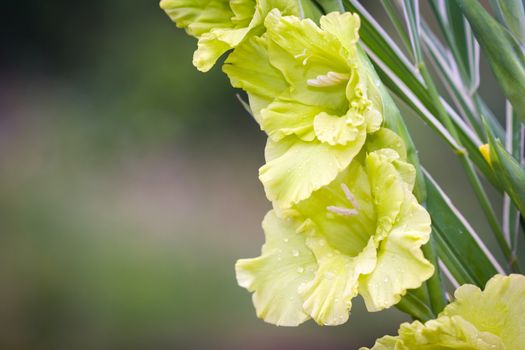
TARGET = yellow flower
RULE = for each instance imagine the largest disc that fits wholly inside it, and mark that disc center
(221, 25)
(312, 92)
(361, 234)
(477, 320)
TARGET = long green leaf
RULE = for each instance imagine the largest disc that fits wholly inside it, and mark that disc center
(459, 246)
(411, 12)
(503, 52)
(391, 11)
(470, 104)
(459, 39)
(452, 80)
(512, 14)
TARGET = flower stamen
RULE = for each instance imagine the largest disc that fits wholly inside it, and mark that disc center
(346, 211)
(330, 79)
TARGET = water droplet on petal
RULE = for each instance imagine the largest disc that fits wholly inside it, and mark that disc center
(295, 252)
(300, 269)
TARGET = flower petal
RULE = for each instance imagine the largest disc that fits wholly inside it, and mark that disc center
(198, 16)
(499, 309)
(214, 44)
(335, 130)
(275, 276)
(295, 169)
(328, 297)
(345, 26)
(284, 117)
(401, 264)
(403, 226)
(249, 68)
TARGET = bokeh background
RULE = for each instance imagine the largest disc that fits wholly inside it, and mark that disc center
(128, 188)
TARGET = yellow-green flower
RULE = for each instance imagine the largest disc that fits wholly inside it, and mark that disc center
(361, 234)
(221, 25)
(477, 320)
(311, 91)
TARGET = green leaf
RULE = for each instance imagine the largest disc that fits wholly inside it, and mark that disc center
(391, 11)
(411, 12)
(331, 5)
(512, 14)
(447, 72)
(459, 38)
(459, 246)
(502, 50)
(509, 171)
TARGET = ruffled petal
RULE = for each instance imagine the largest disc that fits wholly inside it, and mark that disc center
(335, 130)
(344, 26)
(403, 227)
(328, 297)
(499, 309)
(386, 138)
(401, 264)
(249, 68)
(275, 276)
(214, 44)
(479, 320)
(199, 16)
(295, 169)
(388, 191)
(284, 117)
(443, 333)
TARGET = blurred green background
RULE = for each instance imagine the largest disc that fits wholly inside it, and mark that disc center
(128, 188)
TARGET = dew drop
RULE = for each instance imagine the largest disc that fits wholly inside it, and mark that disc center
(286, 240)
(300, 269)
(295, 252)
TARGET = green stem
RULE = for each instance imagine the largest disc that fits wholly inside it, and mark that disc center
(435, 291)
(413, 306)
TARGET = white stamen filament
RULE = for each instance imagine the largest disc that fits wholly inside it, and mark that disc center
(303, 54)
(346, 211)
(330, 79)
(342, 211)
(350, 196)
